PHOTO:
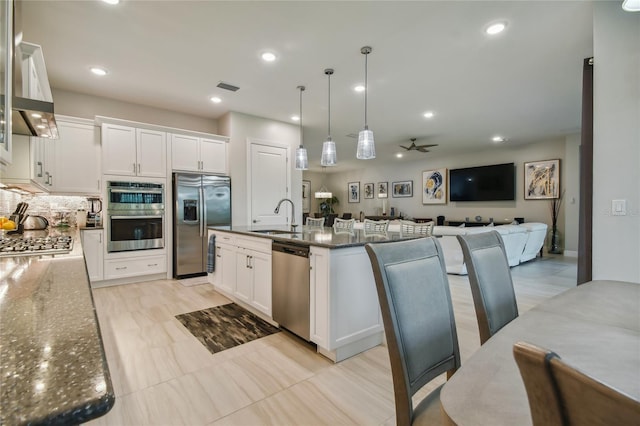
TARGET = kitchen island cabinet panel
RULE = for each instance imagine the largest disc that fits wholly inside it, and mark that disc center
(93, 248)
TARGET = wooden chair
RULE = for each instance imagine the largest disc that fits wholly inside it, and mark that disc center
(490, 278)
(408, 227)
(343, 224)
(315, 222)
(561, 395)
(414, 296)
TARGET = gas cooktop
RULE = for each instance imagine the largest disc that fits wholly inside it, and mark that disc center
(25, 246)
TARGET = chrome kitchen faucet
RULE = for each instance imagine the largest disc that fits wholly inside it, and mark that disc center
(293, 212)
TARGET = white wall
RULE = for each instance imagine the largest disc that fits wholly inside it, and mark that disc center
(241, 127)
(616, 139)
(571, 201)
(86, 106)
(531, 210)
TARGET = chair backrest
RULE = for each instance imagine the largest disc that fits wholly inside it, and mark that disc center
(408, 227)
(490, 278)
(317, 222)
(375, 226)
(415, 300)
(343, 224)
(559, 394)
(346, 215)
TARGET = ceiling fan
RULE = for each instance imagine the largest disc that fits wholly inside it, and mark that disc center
(414, 147)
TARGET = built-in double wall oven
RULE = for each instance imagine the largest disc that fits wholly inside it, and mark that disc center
(135, 214)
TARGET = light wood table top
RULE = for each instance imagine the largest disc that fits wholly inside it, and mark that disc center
(594, 327)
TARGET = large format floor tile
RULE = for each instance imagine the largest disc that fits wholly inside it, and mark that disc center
(162, 375)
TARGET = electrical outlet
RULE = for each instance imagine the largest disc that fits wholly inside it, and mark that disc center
(619, 207)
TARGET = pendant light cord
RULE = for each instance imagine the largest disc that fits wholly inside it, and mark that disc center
(301, 133)
(366, 89)
(329, 128)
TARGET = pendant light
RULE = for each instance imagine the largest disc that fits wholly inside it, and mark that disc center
(329, 156)
(323, 192)
(302, 161)
(366, 147)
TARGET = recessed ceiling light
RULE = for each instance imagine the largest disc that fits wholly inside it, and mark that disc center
(359, 88)
(99, 71)
(36, 115)
(399, 155)
(428, 114)
(111, 1)
(631, 5)
(268, 57)
(215, 99)
(295, 118)
(498, 139)
(41, 126)
(496, 28)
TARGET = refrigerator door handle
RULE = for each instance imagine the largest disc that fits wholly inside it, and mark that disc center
(203, 213)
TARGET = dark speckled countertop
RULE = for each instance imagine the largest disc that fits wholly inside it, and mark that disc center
(314, 236)
(53, 368)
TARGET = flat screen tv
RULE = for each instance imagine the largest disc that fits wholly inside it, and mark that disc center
(486, 183)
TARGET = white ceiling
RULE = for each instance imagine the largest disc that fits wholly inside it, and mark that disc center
(524, 84)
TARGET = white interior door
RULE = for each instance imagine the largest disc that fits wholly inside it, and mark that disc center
(269, 171)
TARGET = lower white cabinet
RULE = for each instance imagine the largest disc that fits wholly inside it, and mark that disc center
(93, 249)
(134, 266)
(243, 269)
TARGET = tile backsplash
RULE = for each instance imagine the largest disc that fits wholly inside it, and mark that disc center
(52, 207)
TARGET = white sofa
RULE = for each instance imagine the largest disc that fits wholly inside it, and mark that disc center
(516, 243)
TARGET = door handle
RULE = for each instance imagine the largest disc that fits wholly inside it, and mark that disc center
(134, 168)
(39, 163)
(138, 167)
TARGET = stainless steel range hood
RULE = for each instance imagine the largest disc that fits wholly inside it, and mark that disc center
(32, 103)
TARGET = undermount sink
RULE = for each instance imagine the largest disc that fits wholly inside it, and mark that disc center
(275, 232)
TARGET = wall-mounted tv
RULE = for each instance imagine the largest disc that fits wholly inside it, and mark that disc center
(486, 183)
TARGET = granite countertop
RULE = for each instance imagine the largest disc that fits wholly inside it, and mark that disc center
(53, 369)
(313, 236)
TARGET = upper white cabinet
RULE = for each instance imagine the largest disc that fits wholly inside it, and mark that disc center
(73, 160)
(129, 151)
(198, 154)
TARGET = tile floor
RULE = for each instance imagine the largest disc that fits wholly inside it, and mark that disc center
(163, 376)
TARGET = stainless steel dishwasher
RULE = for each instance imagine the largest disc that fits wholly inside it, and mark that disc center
(290, 287)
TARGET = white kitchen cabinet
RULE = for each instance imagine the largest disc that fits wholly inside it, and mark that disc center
(345, 314)
(198, 154)
(93, 249)
(135, 266)
(244, 275)
(128, 151)
(261, 269)
(72, 164)
(223, 277)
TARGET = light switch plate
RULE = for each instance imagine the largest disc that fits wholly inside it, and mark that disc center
(619, 207)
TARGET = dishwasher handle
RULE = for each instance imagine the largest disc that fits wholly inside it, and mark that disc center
(291, 249)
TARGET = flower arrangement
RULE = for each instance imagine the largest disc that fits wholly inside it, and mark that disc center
(554, 206)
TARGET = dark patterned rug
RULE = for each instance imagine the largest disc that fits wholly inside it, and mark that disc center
(223, 327)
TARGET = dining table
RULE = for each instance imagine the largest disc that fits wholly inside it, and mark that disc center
(594, 327)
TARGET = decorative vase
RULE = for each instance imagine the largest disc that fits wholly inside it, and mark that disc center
(555, 241)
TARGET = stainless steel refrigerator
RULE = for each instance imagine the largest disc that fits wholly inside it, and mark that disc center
(199, 201)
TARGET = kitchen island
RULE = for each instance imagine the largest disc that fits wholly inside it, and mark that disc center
(52, 363)
(345, 316)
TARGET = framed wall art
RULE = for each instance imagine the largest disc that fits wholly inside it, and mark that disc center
(354, 192)
(368, 190)
(542, 180)
(402, 189)
(383, 189)
(306, 196)
(434, 186)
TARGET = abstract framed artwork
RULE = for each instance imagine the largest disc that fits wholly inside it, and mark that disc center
(368, 190)
(542, 180)
(383, 191)
(402, 189)
(306, 196)
(354, 192)
(434, 186)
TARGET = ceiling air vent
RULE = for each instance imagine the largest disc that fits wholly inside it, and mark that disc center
(227, 86)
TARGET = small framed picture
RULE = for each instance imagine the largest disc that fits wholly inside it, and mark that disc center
(306, 196)
(368, 190)
(354, 192)
(542, 180)
(434, 186)
(383, 190)
(402, 189)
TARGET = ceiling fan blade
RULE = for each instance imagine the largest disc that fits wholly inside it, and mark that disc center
(407, 148)
(422, 149)
(427, 146)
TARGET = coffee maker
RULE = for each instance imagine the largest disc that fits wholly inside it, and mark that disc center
(93, 213)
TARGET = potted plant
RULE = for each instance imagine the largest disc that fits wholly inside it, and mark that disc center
(554, 235)
(326, 206)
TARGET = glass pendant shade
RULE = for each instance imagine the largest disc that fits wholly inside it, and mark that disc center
(366, 147)
(302, 161)
(328, 153)
(323, 193)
